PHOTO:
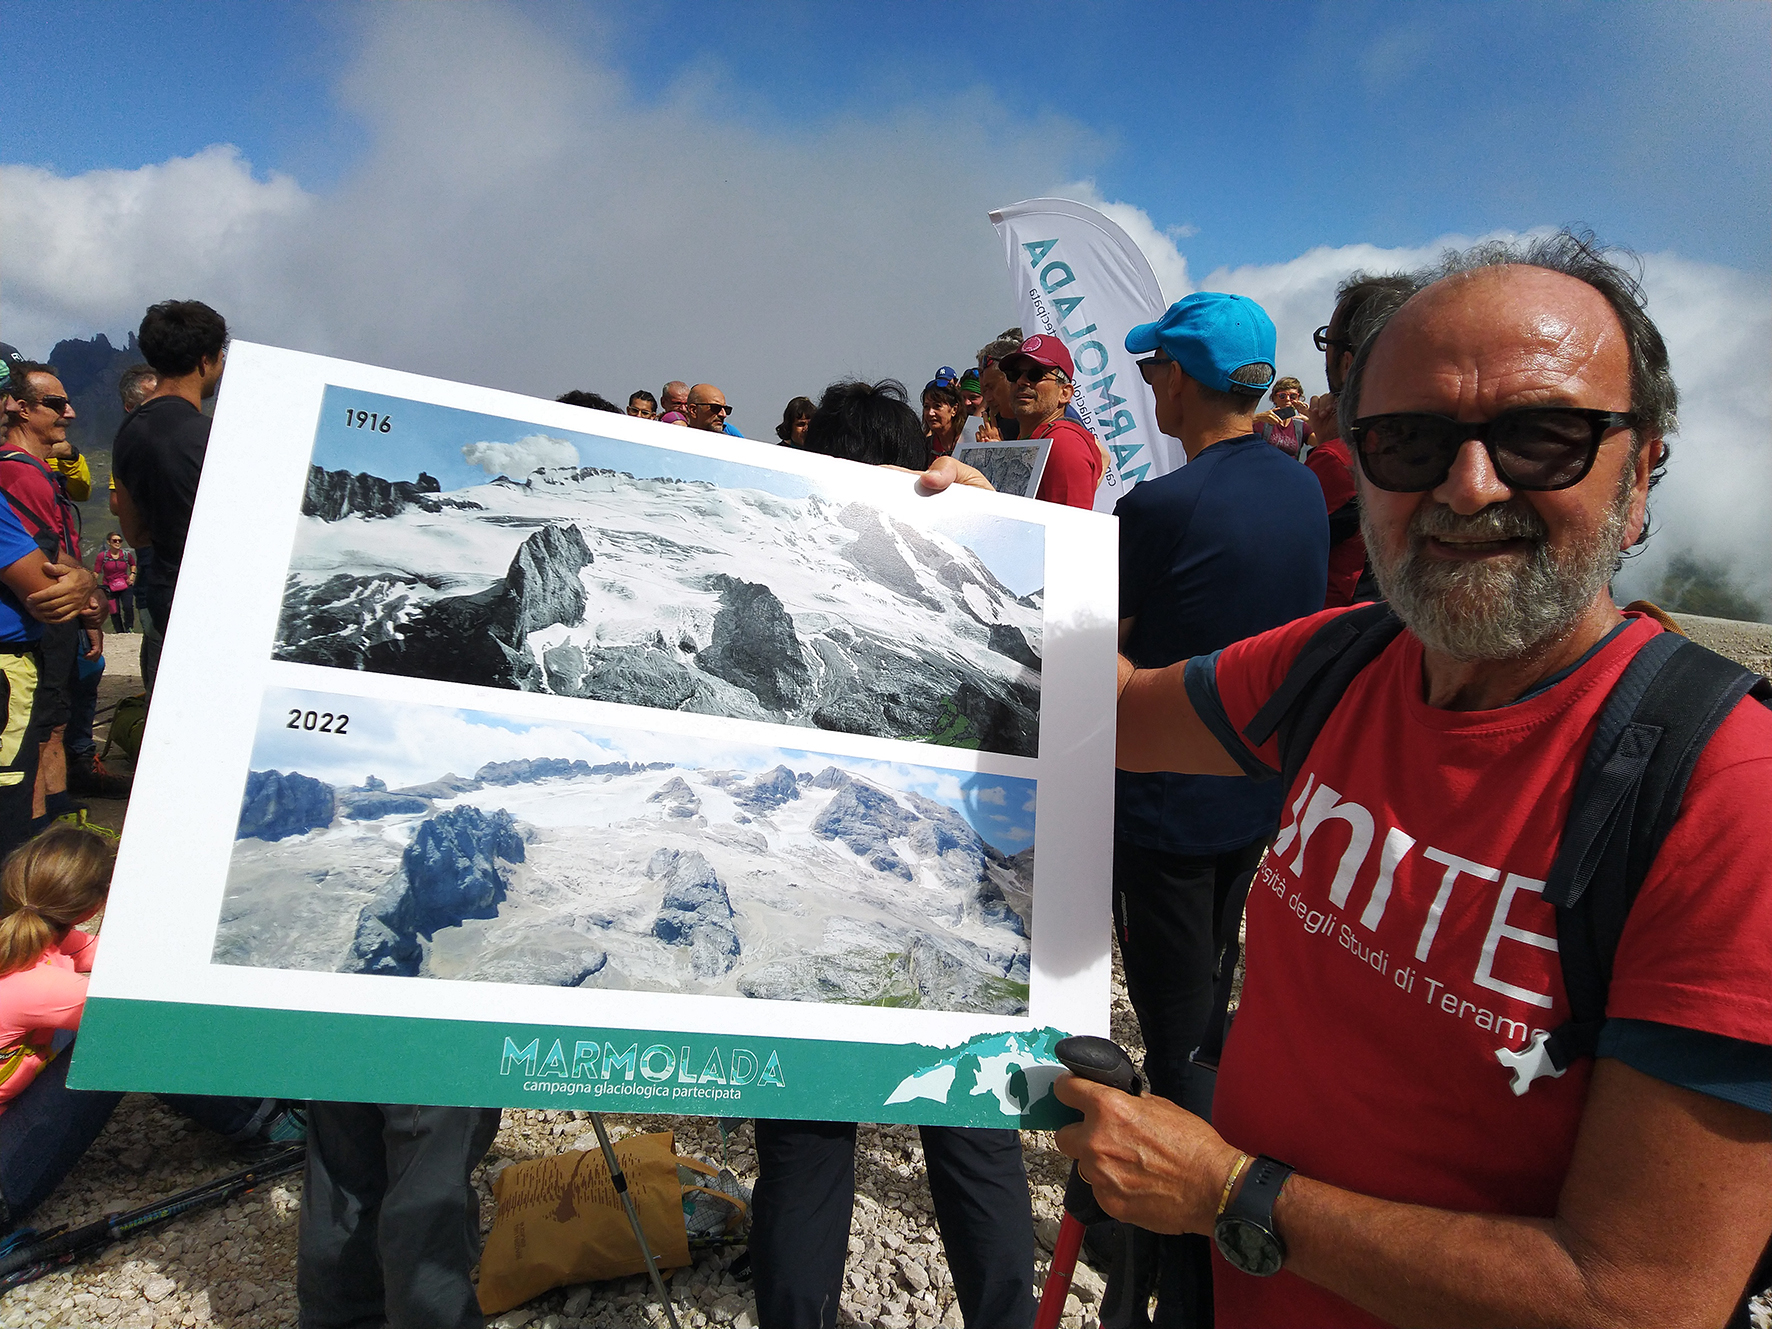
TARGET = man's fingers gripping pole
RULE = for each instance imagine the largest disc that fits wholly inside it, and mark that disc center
(1103, 1061)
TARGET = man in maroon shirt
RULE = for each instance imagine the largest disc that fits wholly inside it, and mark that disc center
(1362, 304)
(1040, 378)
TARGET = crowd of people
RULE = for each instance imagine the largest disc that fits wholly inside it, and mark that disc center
(1363, 1151)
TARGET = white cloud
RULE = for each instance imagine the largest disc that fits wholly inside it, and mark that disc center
(521, 220)
(527, 454)
(1717, 497)
(993, 794)
(1157, 243)
(92, 251)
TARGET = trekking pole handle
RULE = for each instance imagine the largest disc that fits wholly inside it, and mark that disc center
(1105, 1062)
(1101, 1060)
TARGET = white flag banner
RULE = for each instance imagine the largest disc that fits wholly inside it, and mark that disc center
(1080, 277)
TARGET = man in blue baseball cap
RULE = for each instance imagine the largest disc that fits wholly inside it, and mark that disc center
(1233, 543)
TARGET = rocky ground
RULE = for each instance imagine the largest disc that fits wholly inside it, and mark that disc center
(234, 1267)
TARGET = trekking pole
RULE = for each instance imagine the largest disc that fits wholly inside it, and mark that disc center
(37, 1254)
(620, 1181)
(1105, 1062)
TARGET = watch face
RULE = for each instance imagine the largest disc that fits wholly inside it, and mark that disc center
(1248, 1246)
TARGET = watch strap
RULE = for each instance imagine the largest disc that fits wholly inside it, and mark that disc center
(1254, 1200)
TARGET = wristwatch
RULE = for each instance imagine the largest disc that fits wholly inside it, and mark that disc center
(1245, 1229)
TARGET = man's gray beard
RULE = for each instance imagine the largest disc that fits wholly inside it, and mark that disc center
(1496, 609)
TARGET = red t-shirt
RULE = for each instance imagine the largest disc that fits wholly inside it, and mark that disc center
(1073, 464)
(1333, 466)
(1396, 940)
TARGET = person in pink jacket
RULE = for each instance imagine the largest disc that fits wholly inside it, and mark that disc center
(49, 886)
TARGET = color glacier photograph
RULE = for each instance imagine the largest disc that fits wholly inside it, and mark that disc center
(423, 841)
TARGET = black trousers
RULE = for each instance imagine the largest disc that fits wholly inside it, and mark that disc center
(122, 609)
(59, 649)
(390, 1224)
(805, 1195)
(1169, 912)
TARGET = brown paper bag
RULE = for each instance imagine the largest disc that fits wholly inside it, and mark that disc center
(560, 1221)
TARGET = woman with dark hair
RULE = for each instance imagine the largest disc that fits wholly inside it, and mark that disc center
(868, 422)
(944, 416)
(792, 429)
(801, 1207)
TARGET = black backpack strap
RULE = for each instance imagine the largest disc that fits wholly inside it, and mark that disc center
(48, 539)
(1652, 730)
(1344, 521)
(1336, 652)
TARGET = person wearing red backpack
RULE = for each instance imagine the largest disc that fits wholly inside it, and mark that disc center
(36, 429)
(1395, 1137)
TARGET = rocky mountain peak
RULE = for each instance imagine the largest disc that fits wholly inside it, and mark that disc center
(694, 911)
(276, 806)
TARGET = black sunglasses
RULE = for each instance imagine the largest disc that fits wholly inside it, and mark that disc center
(721, 407)
(1032, 371)
(1324, 341)
(1150, 362)
(1535, 448)
(56, 404)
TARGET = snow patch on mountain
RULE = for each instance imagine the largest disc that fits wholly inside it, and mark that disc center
(679, 595)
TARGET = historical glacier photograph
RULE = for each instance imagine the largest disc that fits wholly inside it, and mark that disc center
(385, 838)
(447, 544)
(1012, 468)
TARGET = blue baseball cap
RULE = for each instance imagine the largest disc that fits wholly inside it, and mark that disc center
(1211, 335)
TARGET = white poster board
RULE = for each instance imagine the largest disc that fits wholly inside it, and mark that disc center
(509, 753)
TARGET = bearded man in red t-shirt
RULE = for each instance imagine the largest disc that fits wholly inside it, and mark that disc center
(1041, 383)
(1378, 1157)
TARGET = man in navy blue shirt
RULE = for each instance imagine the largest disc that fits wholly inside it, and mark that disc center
(1232, 544)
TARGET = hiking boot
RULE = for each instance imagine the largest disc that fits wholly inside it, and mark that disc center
(288, 1127)
(88, 777)
(79, 818)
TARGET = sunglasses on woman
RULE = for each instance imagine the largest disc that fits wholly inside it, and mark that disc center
(1534, 448)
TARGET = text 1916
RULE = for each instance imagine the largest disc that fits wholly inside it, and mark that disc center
(320, 722)
(381, 424)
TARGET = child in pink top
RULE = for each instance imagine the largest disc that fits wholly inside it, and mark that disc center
(49, 886)
(60, 880)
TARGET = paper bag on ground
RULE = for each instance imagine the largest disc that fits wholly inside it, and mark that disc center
(560, 1221)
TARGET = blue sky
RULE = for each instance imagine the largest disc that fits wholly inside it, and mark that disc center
(1270, 128)
(403, 744)
(544, 196)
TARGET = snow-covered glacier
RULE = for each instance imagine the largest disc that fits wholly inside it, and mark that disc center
(789, 885)
(677, 594)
